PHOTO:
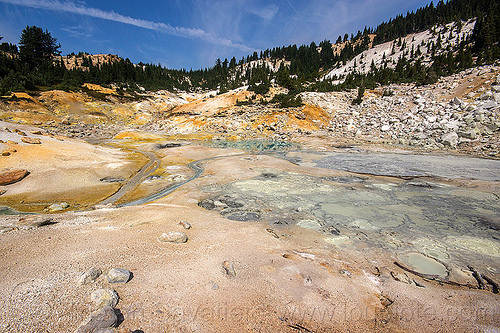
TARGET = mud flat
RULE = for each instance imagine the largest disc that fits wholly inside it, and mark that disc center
(274, 246)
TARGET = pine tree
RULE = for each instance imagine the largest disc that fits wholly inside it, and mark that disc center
(37, 47)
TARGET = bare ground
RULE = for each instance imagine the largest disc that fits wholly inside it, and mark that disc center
(294, 283)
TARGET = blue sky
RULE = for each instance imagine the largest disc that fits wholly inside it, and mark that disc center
(193, 33)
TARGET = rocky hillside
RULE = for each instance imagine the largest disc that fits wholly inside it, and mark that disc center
(460, 112)
(83, 60)
(416, 46)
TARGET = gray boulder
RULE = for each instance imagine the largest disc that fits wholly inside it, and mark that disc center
(90, 276)
(470, 134)
(100, 319)
(104, 297)
(118, 275)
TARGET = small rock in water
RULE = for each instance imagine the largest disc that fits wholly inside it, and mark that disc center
(90, 276)
(118, 275)
(229, 268)
(31, 141)
(112, 179)
(168, 145)
(173, 237)
(12, 176)
(185, 225)
(104, 297)
(100, 319)
(57, 207)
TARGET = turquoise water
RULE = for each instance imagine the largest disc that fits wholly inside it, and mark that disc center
(252, 145)
(9, 211)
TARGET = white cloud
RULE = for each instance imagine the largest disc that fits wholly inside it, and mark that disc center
(266, 13)
(78, 31)
(74, 8)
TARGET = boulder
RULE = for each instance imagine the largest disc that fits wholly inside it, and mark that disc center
(104, 297)
(470, 134)
(228, 268)
(173, 237)
(185, 224)
(486, 96)
(100, 319)
(420, 100)
(90, 276)
(450, 139)
(456, 101)
(31, 141)
(118, 275)
(12, 176)
(489, 105)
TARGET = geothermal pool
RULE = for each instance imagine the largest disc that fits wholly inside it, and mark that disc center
(396, 202)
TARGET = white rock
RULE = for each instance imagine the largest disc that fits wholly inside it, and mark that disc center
(173, 237)
(450, 139)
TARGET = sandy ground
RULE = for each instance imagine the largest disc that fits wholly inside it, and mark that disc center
(61, 169)
(287, 279)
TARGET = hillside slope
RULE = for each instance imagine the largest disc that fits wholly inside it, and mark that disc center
(413, 46)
